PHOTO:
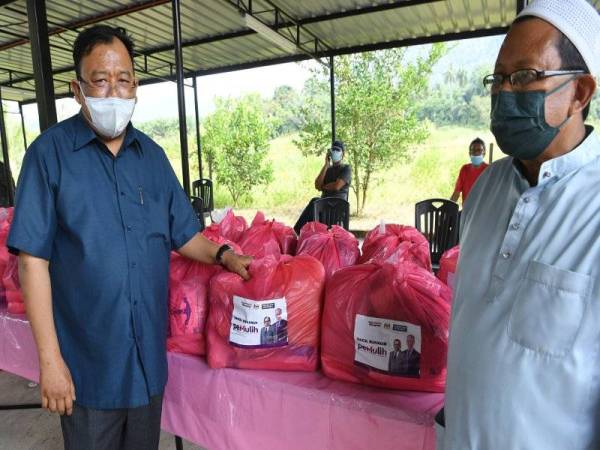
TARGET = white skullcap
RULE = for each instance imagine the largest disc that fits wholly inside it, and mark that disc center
(576, 19)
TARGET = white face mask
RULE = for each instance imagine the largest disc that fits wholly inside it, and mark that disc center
(336, 156)
(110, 115)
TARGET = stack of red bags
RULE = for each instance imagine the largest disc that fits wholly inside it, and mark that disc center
(334, 247)
(268, 237)
(271, 321)
(395, 244)
(448, 265)
(386, 325)
(188, 301)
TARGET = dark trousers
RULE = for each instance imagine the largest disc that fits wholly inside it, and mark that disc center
(308, 215)
(113, 429)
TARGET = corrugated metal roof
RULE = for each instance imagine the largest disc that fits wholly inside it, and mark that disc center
(215, 37)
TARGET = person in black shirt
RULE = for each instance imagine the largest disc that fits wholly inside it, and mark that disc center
(333, 181)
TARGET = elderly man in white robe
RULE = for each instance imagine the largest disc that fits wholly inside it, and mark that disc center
(524, 356)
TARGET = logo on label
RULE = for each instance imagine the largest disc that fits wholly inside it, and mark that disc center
(372, 349)
(244, 328)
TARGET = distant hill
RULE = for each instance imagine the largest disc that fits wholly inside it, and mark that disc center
(468, 54)
(471, 54)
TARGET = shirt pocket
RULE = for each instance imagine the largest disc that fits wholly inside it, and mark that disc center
(155, 213)
(549, 308)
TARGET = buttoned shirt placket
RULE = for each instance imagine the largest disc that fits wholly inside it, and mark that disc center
(129, 233)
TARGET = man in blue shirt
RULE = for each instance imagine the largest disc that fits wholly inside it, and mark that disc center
(98, 210)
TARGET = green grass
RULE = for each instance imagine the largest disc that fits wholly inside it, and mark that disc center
(431, 172)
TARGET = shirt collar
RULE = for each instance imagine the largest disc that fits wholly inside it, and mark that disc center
(84, 134)
(563, 165)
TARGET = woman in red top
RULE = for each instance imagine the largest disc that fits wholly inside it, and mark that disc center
(470, 172)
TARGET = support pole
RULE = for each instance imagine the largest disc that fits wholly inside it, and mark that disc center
(198, 143)
(185, 164)
(23, 126)
(42, 63)
(332, 93)
(10, 195)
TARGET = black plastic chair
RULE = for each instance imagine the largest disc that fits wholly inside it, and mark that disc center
(437, 219)
(203, 188)
(332, 211)
(198, 205)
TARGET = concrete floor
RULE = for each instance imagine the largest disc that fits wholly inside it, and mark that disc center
(37, 429)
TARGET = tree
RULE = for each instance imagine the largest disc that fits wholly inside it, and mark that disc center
(460, 100)
(376, 98)
(236, 138)
(214, 133)
(161, 128)
(283, 110)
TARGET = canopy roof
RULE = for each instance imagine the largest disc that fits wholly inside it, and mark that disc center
(216, 37)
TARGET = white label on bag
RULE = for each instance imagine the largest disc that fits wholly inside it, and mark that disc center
(387, 345)
(258, 323)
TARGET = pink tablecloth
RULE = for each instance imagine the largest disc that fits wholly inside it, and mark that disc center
(245, 410)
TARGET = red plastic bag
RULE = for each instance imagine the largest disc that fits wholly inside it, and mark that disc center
(448, 264)
(6, 216)
(188, 304)
(386, 325)
(334, 247)
(395, 244)
(288, 292)
(268, 237)
(16, 308)
(231, 227)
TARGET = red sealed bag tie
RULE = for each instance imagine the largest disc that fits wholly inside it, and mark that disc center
(386, 325)
(396, 243)
(448, 265)
(334, 247)
(268, 237)
(231, 227)
(271, 321)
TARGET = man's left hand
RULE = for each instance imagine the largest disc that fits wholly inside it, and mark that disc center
(237, 263)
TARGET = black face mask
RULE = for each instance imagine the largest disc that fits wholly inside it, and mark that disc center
(518, 122)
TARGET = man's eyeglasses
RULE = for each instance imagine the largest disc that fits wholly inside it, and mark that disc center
(521, 78)
(101, 88)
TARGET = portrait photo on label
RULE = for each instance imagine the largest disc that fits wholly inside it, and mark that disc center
(387, 346)
(258, 323)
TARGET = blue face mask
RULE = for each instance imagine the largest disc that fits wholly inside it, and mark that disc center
(518, 122)
(336, 156)
(476, 160)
